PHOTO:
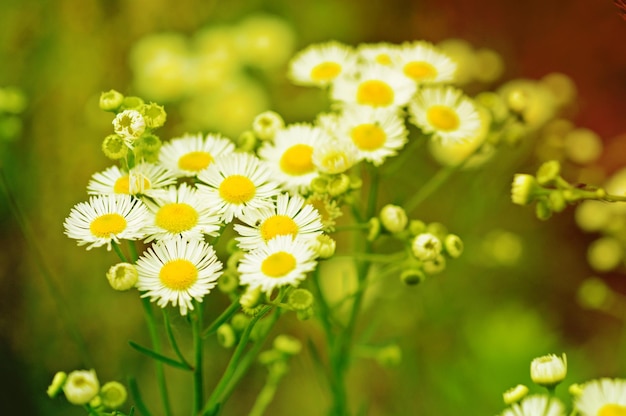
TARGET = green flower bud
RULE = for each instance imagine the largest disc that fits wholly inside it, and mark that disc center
(81, 387)
(226, 336)
(393, 218)
(339, 185)
(300, 299)
(251, 298)
(111, 100)
(549, 370)
(453, 245)
(389, 356)
(319, 185)
(233, 261)
(239, 322)
(287, 345)
(148, 142)
(96, 403)
(416, 227)
(114, 147)
(324, 246)
(412, 277)
(228, 282)
(435, 266)
(266, 124)
(548, 172)
(515, 394)
(57, 384)
(426, 246)
(132, 103)
(247, 141)
(122, 276)
(270, 356)
(575, 389)
(113, 394)
(373, 229)
(154, 115)
(305, 314)
(557, 201)
(232, 246)
(437, 229)
(543, 209)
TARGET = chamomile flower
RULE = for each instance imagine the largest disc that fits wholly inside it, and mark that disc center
(191, 154)
(177, 271)
(143, 179)
(378, 53)
(536, 405)
(446, 113)
(377, 133)
(282, 261)
(290, 156)
(374, 86)
(129, 124)
(235, 183)
(105, 219)
(179, 211)
(602, 397)
(290, 216)
(423, 63)
(321, 64)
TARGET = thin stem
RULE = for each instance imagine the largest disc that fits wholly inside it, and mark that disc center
(172, 339)
(267, 393)
(198, 385)
(431, 186)
(224, 316)
(118, 251)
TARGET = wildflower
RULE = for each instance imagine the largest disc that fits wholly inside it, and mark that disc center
(251, 299)
(154, 115)
(446, 113)
(548, 370)
(283, 261)
(57, 384)
(453, 245)
(191, 154)
(106, 219)
(143, 179)
(382, 53)
(177, 271)
(548, 172)
(226, 336)
(321, 64)
(324, 246)
(334, 157)
(113, 394)
(393, 218)
(423, 63)
(515, 394)
(114, 147)
(180, 211)
(583, 146)
(290, 216)
(412, 276)
(267, 124)
(300, 299)
(111, 100)
(236, 183)
(426, 246)
(602, 397)
(435, 266)
(122, 276)
(81, 386)
(536, 405)
(523, 189)
(129, 124)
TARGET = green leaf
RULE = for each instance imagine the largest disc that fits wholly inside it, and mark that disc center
(134, 391)
(159, 357)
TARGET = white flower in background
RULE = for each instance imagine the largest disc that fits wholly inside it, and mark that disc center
(423, 63)
(143, 179)
(603, 397)
(191, 154)
(536, 406)
(320, 64)
(382, 53)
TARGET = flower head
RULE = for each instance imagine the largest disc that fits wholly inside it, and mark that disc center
(143, 179)
(129, 124)
(548, 370)
(423, 63)
(321, 64)
(536, 406)
(191, 154)
(81, 386)
(603, 397)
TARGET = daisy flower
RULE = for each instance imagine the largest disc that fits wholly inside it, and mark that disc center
(177, 271)
(290, 155)
(322, 63)
(446, 113)
(282, 261)
(376, 133)
(181, 212)
(235, 183)
(191, 154)
(291, 216)
(105, 219)
(379, 53)
(143, 179)
(334, 157)
(375, 86)
(604, 397)
(423, 63)
(536, 406)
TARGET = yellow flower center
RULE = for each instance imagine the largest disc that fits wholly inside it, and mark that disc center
(368, 136)
(178, 274)
(325, 71)
(335, 162)
(612, 410)
(297, 160)
(375, 93)
(443, 118)
(383, 59)
(278, 264)
(176, 217)
(278, 225)
(107, 224)
(195, 161)
(420, 71)
(123, 184)
(237, 189)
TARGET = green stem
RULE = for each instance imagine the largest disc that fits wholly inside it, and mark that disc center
(198, 385)
(374, 258)
(172, 339)
(431, 186)
(224, 316)
(118, 250)
(267, 393)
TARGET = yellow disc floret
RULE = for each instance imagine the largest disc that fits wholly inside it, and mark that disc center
(612, 410)
(420, 71)
(178, 274)
(278, 264)
(176, 217)
(278, 225)
(123, 184)
(195, 161)
(368, 136)
(297, 160)
(237, 189)
(107, 224)
(375, 93)
(326, 71)
(443, 118)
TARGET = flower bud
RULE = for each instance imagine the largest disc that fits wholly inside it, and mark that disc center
(548, 172)
(426, 246)
(111, 100)
(251, 298)
(548, 370)
(412, 276)
(453, 245)
(148, 142)
(339, 185)
(575, 389)
(319, 185)
(373, 229)
(543, 210)
(132, 103)
(305, 314)
(435, 266)
(300, 299)
(523, 189)
(239, 322)
(154, 115)
(122, 276)
(228, 282)
(57, 384)
(287, 344)
(515, 394)
(324, 245)
(246, 141)
(114, 147)
(416, 227)
(81, 386)
(226, 336)
(389, 356)
(129, 124)
(393, 218)
(113, 394)
(266, 124)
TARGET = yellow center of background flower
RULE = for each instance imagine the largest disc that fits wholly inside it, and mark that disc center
(278, 264)
(375, 93)
(178, 274)
(176, 217)
(383, 59)
(123, 184)
(107, 224)
(195, 161)
(278, 225)
(237, 189)
(297, 160)
(612, 410)
(325, 71)
(420, 71)
(335, 162)
(368, 136)
(443, 118)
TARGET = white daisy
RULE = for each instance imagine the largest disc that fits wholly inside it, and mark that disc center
(536, 405)
(603, 397)
(375, 86)
(191, 154)
(105, 219)
(282, 261)
(322, 63)
(143, 179)
(290, 216)
(382, 53)
(423, 63)
(290, 155)
(377, 133)
(181, 212)
(177, 271)
(235, 183)
(446, 113)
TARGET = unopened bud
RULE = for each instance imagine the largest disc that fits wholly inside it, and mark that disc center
(122, 276)
(393, 218)
(113, 394)
(111, 100)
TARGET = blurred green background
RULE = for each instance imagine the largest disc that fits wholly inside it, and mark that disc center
(466, 335)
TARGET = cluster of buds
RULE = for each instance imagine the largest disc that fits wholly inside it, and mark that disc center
(82, 388)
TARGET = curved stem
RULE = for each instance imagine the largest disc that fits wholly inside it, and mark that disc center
(198, 385)
(431, 186)
(225, 316)
(172, 340)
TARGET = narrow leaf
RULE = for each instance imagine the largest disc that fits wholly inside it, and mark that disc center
(159, 357)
